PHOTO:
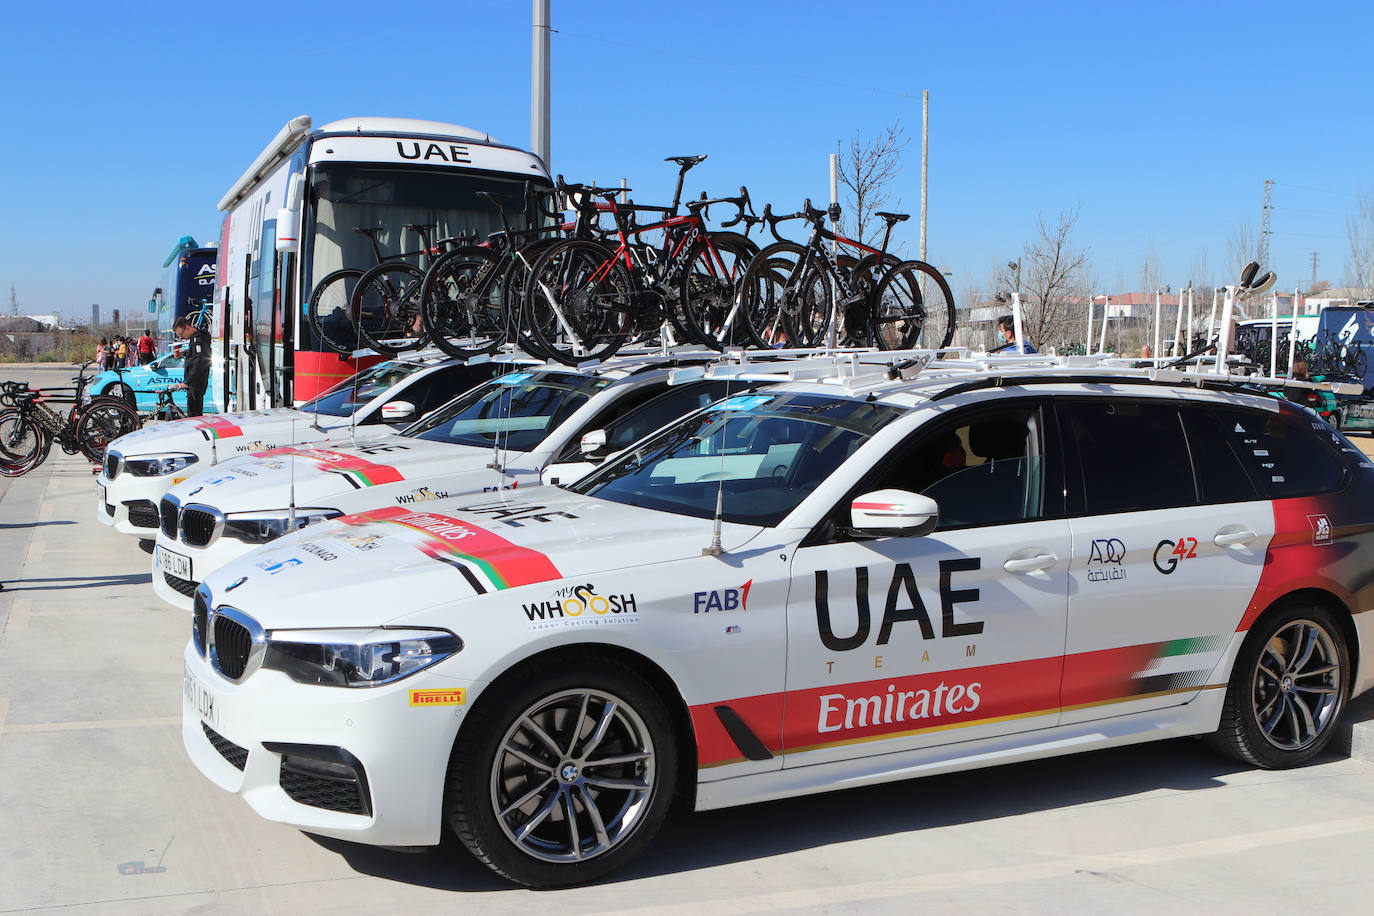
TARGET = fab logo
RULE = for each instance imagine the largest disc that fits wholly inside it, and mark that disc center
(725, 599)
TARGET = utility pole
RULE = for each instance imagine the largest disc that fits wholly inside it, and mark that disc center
(1265, 211)
(14, 303)
(925, 162)
(540, 143)
(1314, 271)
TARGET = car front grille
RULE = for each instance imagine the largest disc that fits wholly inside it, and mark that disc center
(323, 791)
(198, 527)
(230, 751)
(142, 514)
(168, 511)
(111, 465)
(233, 642)
(199, 615)
(185, 586)
(109, 510)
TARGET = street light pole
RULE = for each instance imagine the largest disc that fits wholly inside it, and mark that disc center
(540, 143)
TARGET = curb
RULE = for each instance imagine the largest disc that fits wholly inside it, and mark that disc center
(1354, 736)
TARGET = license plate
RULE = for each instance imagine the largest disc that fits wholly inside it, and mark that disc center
(200, 697)
(177, 564)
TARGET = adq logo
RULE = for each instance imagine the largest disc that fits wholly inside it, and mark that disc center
(1105, 558)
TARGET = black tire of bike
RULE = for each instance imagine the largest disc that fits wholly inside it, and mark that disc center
(597, 303)
(513, 279)
(461, 321)
(393, 289)
(762, 280)
(903, 313)
(333, 324)
(102, 422)
(706, 297)
(21, 443)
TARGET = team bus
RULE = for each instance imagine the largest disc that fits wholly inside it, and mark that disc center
(188, 284)
(341, 195)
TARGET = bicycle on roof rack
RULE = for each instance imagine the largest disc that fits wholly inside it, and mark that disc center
(794, 293)
(28, 427)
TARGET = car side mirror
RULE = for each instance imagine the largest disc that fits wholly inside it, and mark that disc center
(594, 444)
(396, 411)
(893, 513)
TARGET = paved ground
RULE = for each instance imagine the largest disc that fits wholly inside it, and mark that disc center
(102, 812)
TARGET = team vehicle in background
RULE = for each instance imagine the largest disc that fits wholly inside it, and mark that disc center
(318, 199)
(140, 386)
(495, 437)
(188, 286)
(832, 582)
(139, 468)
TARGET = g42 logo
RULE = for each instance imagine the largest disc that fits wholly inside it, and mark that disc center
(1185, 549)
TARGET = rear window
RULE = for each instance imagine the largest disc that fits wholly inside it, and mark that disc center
(1283, 456)
(1133, 455)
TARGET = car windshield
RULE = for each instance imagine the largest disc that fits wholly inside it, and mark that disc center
(763, 453)
(347, 396)
(519, 409)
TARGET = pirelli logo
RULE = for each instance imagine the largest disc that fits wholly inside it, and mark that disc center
(455, 697)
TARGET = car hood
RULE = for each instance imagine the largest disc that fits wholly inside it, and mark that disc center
(326, 475)
(227, 435)
(380, 566)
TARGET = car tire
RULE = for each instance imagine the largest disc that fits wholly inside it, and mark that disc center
(1287, 689)
(520, 766)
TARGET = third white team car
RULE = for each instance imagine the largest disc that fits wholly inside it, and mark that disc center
(824, 584)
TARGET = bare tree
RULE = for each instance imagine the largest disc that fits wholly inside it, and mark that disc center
(1242, 247)
(1054, 282)
(1359, 232)
(867, 169)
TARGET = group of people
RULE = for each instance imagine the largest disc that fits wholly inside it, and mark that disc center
(121, 352)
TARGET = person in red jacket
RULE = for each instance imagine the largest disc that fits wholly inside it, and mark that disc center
(146, 349)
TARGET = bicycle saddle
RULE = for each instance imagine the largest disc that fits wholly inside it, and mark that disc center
(685, 161)
(891, 218)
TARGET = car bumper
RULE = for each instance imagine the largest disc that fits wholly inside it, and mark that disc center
(398, 752)
(179, 592)
(129, 504)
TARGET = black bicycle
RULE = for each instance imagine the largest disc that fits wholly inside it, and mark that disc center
(28, 427)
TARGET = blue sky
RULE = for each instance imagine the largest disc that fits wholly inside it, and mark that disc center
(1161, 121)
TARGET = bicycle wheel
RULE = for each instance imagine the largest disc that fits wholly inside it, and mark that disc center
(706, 300)
(513, 282)
(461, 304)
(579, 302)
(782, 296)
(386, 302)
(21, 443)
(911, 307)
(329, 314)
(104, 421)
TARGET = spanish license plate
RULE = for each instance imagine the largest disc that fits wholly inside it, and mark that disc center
(177, 564)
(200, 697)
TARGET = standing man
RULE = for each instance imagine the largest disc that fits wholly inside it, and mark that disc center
(197, 365)
(145, 349)
(1006, 329)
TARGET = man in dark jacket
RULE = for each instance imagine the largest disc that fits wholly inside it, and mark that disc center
(197, 364)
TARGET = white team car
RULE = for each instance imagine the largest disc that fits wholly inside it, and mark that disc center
(140, 467)
(821, 585)
(495, 436)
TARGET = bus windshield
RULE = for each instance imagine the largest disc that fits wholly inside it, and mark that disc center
(389, 202)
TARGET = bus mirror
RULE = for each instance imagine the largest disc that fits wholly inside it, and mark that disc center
(286, 230)
(152, 305)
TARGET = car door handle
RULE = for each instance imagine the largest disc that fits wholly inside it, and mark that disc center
(1036, 563)
(1234, 537)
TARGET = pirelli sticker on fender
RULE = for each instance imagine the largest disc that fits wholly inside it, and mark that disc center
(455, 697)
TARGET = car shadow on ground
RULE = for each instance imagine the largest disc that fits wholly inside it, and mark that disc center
(702, 840)
(60, 582)
(8, 525)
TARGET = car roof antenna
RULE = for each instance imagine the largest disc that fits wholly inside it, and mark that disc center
(353, 417)
(291, 501)
(715, 549)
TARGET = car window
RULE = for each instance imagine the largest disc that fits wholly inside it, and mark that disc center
(637, 423)
(983, 467)
(1220, 470)
(1132, 455)
(171, 361)
(517, 410)
(759, 455)
(446, 383)
(1283, 457)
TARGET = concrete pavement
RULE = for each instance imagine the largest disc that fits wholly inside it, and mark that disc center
(103, 813)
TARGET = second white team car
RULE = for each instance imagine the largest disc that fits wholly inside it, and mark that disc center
(821, 585)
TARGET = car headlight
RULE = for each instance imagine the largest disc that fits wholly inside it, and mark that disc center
(356, 658)
(261, 527)
(159, 465)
